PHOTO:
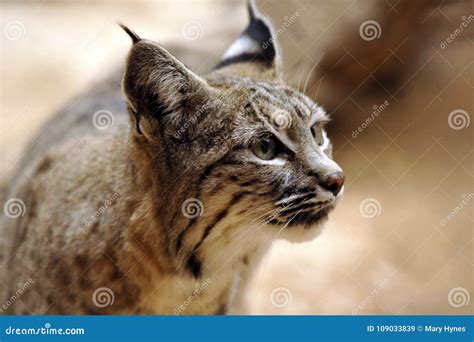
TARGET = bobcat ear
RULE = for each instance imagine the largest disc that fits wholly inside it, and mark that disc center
(256, 44)
(158, 87)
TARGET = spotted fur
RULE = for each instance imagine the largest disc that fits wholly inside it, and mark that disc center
(189, 138)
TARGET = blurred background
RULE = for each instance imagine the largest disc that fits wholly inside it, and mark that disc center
(396, 76)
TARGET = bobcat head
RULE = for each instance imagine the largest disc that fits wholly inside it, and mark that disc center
(235, 148)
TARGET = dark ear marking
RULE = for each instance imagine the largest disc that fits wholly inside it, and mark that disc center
(255, 44)
(159, 89)
(133, 35)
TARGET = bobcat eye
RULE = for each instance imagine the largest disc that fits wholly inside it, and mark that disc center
(317, 132)
(265, 149)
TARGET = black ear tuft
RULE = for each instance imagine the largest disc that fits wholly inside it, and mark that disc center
(255, 44)
(133, 35)
(250, 10)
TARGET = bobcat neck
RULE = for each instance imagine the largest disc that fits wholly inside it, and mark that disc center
(211, 277)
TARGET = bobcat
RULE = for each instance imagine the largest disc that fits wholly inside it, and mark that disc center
(168, 212)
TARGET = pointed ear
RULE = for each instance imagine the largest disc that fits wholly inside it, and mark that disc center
(255, 45)
(160, 90)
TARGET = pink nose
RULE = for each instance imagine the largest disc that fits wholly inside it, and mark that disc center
(334, 182)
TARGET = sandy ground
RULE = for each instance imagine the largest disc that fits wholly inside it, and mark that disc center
(400, 242)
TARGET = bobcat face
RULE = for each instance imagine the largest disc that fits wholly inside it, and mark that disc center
(279, 150)
(241, 145)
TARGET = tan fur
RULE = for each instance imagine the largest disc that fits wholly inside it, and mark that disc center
(104, 209)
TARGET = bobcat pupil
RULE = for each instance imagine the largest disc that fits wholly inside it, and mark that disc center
(265, 149)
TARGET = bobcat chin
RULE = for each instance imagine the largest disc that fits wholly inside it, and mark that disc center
(186, 194)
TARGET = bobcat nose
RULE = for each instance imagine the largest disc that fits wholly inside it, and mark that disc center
(334, 182)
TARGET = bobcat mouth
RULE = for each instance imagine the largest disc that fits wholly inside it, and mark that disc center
(304, 209)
